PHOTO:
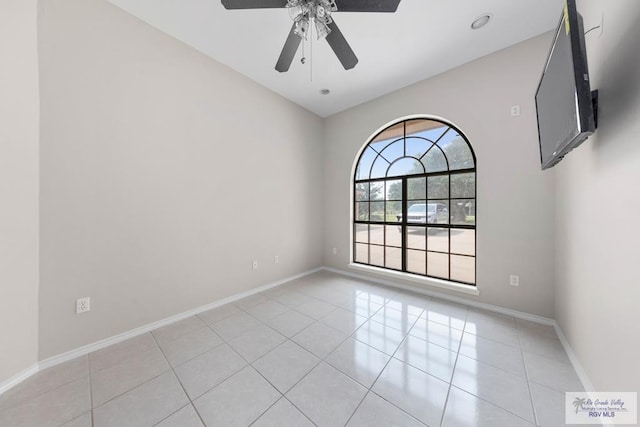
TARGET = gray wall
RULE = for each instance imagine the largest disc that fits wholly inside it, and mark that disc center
(597, 204)
(163, 175)
(18, 186)
(515, 199)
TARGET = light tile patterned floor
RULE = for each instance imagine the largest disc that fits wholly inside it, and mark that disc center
(323, 350)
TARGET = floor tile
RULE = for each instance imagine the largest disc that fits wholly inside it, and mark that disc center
(446, 313)
(250, 301)
(283, 413)
(538, 328)
(436, 333)
(176, 330)
(235, 325)
(331, 296)
(190, 345)
(294, 299)
(488, 318)
(499, 387)
(238, 401)
(549, 405)
(185, 417)
(290, 323)
(466, 410)
(320, 339)
(342, 299)
(118, 353)
(209, 369)
(83, 420)
(428, 357)
(374, 411)
(358, 285)
(400, 320)
(52, 408)
(379, 336)
(362, 307)
(115, 380)
(343, 320)
(378, 294)
(408, 304)
(44, 381)
(274, 292)
(372, 297)
(493, 353)
(410, 298)
(543, 345)
(256, 342)
(145, 405)
(286, 365)
(496, 331)
(359, 361)
(316, 290)
(552, 373)
(219, 313)
(267, 310)
(421, 395)
(325, 387)
(316, 309)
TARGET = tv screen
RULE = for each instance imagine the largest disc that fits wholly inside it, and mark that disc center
(563, 99)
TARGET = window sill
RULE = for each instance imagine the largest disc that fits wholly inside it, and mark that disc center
(428, 281)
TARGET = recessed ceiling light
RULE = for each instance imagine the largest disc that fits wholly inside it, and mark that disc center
(325, 91)
(481, 21)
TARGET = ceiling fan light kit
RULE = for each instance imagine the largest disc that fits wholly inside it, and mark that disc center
(318, 11)
(304, 13)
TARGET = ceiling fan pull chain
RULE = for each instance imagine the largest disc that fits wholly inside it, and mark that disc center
(311, 54)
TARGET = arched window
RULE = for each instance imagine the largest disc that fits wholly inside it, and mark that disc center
(415, 201)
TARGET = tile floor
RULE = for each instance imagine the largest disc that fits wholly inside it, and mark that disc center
(323, 350)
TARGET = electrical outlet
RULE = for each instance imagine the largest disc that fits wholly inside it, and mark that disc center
(514, 280)
(83, 305)
(255, 265)
(515, 110)
(276, 259)
(335, 251)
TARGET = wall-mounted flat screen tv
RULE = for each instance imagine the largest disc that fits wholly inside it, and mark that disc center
(565, 105)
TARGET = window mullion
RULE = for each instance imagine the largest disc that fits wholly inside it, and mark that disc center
(403, 226)
(450, 215)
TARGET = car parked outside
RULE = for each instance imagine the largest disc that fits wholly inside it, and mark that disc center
(427, 213)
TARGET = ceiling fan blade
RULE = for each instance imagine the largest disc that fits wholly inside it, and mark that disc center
(367, 5)
(341, 48)
(288, 51)
(253, 4)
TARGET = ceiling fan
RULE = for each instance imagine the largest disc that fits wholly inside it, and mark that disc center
(318, 12)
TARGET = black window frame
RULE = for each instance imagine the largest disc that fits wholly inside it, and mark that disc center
(404, 223)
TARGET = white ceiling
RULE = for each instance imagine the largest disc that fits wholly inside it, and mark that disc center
(422, 39)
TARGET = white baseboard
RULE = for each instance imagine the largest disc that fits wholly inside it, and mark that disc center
(18, 378)
(582, 374)
(81, 351)
(577, 366)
